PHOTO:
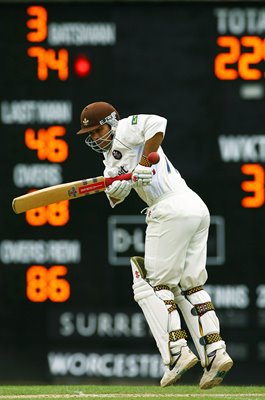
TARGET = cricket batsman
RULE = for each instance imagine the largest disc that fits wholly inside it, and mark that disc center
(169, 279)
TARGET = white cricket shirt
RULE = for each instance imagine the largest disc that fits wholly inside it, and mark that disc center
(126, 151)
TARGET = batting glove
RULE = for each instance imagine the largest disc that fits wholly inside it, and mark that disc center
(142, 176)
(119, 189)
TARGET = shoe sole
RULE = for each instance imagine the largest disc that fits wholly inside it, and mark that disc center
(182, 372)
(219, 376)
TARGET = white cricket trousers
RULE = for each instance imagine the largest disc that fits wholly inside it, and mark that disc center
(176, 241)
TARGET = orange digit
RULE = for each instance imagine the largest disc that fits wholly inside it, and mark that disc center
(256, 186)
(37, 142)
(36, 278)
(58, 288)
(42, 68)
(221, 60)
(58, 213)
(246, 59)
(57, 148)
(37, 216)
(59, 62)
(38, 24)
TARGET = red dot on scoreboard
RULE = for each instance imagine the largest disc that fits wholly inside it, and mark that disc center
(82, 66)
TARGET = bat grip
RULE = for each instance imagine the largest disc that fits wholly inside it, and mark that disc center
(124, 177)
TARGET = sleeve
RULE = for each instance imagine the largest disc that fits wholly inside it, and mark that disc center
(152, 125)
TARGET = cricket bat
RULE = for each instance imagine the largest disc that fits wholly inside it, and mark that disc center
(70, 190)
(64, 191)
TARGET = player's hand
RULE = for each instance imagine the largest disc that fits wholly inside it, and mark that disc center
(142, 176)
(119, 189)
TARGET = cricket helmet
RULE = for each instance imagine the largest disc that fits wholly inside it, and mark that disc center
(96, 114)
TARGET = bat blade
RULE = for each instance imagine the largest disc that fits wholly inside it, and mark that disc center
(65, 191)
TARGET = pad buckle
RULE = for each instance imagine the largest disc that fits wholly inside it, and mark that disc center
(209, 339)
(201, 309)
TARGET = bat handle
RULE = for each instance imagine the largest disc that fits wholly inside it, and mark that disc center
(124, 177)
(127, 177)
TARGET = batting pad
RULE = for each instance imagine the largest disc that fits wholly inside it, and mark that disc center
(154, 309)
(200, 326)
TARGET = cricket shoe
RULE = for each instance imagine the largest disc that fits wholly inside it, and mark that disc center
(220, 363)
(184, 361)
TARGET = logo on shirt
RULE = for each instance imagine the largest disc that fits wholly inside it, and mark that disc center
(122, 170)
(134, 119)
(117, 154)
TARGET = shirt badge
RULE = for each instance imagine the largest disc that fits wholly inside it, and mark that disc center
(117, 154)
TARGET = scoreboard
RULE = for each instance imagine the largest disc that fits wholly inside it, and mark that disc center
(66, 303)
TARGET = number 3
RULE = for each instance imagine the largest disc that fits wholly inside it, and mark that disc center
(256, 186)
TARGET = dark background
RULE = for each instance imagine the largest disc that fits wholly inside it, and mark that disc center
(162, 63)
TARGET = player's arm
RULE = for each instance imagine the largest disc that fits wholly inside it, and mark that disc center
(143, 172)
(151, 145)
